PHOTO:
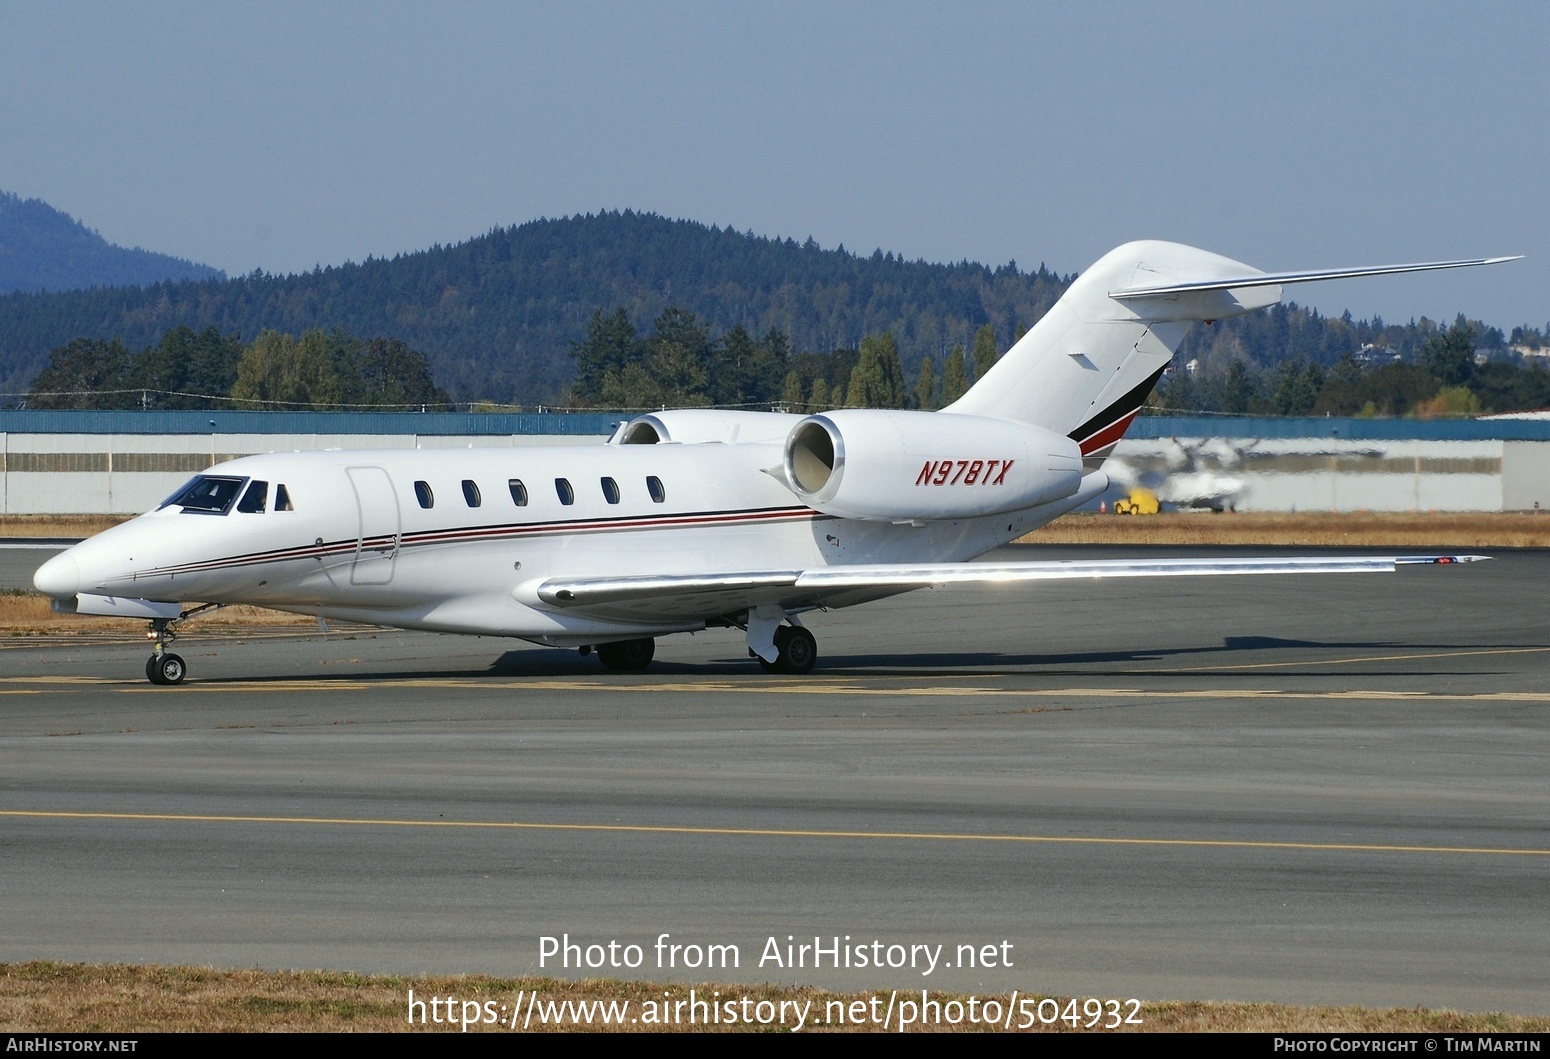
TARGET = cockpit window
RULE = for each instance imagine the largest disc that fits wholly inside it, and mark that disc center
(207, 494)
(282, 499)
(255, 498)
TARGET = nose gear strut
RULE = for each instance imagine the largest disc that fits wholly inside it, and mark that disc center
(164, 667)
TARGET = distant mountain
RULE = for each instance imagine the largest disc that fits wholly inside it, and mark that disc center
(42, 249)
(496, 315)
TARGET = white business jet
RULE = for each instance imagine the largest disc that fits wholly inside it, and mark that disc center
(696, 518)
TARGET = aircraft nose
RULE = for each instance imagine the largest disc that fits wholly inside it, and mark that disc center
(59, 578)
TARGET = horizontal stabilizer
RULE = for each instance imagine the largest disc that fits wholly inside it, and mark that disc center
(1273, 279)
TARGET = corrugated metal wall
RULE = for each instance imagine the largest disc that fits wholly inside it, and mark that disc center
(121, 462)
(424, 424)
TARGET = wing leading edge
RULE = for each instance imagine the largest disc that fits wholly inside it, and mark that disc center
(643, 598)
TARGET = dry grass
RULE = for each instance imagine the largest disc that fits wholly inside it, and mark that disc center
(57, 525)
(29, 614)
(53, 997)
(1269, 528)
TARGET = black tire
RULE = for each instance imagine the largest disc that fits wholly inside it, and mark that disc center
(627, 656)
(170, 668)
(769, 667)
(798, 650)
(153, 671)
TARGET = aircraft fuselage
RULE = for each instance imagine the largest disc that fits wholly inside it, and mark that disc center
(359, 542)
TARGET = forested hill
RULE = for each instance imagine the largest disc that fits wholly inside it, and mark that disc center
(496, 315)
(42, 249)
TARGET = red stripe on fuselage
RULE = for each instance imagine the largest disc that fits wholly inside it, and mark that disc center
(484, 533)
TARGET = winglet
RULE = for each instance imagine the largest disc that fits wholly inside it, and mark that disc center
(1438, 560)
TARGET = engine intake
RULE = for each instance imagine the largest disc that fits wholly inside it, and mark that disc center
(926, 466)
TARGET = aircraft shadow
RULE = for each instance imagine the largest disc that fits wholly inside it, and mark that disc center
(538, 663)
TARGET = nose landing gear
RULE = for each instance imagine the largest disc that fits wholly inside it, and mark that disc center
(164, 667)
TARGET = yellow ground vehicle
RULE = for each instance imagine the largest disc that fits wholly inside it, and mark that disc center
(1139, 502)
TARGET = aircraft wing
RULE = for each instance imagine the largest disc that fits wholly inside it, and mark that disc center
(680, 596)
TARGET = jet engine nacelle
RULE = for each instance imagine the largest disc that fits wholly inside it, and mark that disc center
(926, 466)
(698, 426)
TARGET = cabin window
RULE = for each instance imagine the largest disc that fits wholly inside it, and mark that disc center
(422, 493)
(566, 493)
(207, 495)
(282, 499)
(654, 487)
(610, 490)
(518, 492)
(255, 498)
(471, 493)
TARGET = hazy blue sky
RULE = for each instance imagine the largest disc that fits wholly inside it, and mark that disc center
(283, 135)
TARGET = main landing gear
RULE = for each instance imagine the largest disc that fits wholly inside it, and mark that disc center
(779, 647)
(627, 656)
(793, 648)
(798, 651)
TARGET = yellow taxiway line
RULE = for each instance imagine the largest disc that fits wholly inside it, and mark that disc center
(756, 832)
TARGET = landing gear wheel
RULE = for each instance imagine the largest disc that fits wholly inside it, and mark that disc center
(798, 650)
(768, 667)
(166, 669)
(627, 656)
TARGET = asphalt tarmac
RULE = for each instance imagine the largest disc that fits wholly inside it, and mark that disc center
(1311, 789)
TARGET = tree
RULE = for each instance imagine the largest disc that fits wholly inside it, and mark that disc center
(678, 358)
(1451, 355)
(610, 345)
(735, 376)
(1297, 385)
(385, 371)
(925, 387)
(770, 359)
(791, 393)
(189, 367)
(279, 370)
(747, 372)
(1240, 389)
(955, 382)
(79, 374)
(878, 378)
(984, 351)
(1450, 402)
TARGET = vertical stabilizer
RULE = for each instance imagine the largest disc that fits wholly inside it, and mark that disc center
(1087, 366)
